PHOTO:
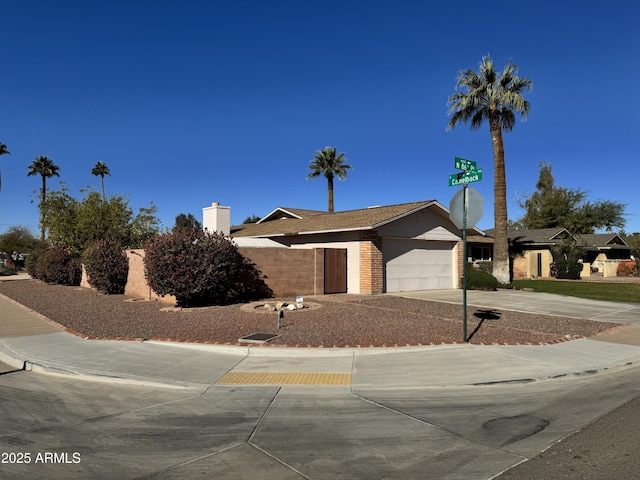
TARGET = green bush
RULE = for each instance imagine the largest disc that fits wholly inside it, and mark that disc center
(57, 266)
(568, 270)
(6, 270)
(485, 266)
(31, 264)
(479, 280)
(107, 266)
(200, 268)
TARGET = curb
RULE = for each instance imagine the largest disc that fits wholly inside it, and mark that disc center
(28, 365)
(60, 371)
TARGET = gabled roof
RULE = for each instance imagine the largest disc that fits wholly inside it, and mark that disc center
(312, 221)
(539, 236)
(603, 240)
(551, 236)
(282, 212)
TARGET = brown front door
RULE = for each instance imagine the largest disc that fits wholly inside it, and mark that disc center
(335, 270)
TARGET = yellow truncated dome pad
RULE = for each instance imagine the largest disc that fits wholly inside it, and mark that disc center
(274, 378)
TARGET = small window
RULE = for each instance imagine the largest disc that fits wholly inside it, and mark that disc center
(480, 253)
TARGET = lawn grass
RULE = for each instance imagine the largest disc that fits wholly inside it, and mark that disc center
(612, 292)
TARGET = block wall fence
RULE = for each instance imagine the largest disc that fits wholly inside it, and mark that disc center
(288, 272)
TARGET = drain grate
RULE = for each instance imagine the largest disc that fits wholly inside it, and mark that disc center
(275, 378)
(258, 338)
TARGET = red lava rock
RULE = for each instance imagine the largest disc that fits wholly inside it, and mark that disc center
(338, 321)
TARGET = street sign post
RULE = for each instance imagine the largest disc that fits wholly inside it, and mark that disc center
(469, 174)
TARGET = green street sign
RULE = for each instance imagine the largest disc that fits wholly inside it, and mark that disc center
(465, 177)
(462, 164)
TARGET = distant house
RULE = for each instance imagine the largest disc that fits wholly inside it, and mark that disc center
(530, 251)
(410, 246)
(605, 249)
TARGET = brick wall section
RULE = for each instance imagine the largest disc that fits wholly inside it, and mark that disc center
(461, 260)
(289, 272)
(371, 264)
(520, 267)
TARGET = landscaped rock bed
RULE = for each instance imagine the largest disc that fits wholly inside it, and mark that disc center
(332, 320)
(273, 306)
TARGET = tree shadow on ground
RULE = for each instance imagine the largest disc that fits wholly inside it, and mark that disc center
(486, 314)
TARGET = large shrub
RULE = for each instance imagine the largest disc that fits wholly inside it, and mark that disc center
(6, 268)
(485, 266)
(568, 269)
(197, 268)
(107, 266)
(627, 268)
(58, 266)
(479, 280)
(31, 264)
(566, 259)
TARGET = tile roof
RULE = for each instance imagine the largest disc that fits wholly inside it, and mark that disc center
(314, 221)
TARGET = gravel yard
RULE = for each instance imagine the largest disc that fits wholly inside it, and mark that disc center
(335, 320)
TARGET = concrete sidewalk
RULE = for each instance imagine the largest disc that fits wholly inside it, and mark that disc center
(30, 341)
(537, 302)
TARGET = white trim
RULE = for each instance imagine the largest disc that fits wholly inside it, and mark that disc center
(280, 209)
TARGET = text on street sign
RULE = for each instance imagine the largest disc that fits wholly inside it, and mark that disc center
(462, 164)
(466, 177)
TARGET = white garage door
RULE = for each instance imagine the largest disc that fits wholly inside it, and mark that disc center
(417, 265)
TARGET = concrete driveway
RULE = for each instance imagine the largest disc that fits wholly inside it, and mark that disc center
(536, 302)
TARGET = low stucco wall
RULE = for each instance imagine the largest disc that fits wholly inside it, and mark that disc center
(610, 268)
(586, 270)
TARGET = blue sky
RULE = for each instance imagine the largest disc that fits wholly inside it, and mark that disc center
(192, 102)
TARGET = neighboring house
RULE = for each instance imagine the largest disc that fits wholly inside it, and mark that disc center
(530, 251)
(604, 251)
(410, 246)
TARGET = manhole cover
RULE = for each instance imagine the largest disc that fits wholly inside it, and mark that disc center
(257, 338)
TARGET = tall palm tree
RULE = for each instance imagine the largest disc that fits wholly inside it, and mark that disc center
(330, 164)
(44, 167)
(3, 151)
(100, 170)
(497, 98)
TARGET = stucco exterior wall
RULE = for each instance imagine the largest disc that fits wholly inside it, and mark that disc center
(423, 225)
(525, 264)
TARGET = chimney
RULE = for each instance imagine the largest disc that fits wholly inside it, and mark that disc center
(217, 218)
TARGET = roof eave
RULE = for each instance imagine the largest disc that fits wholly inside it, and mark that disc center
(407, 213)
(336, 230)
(284, 210)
